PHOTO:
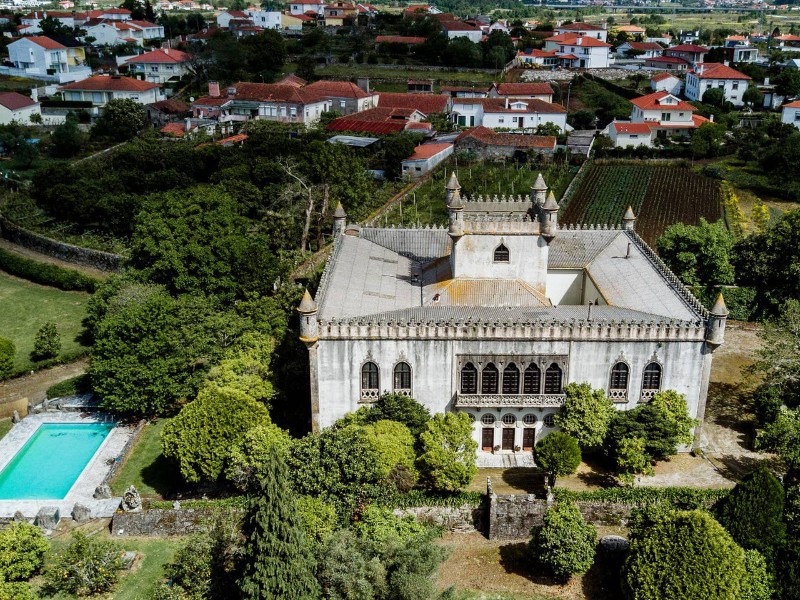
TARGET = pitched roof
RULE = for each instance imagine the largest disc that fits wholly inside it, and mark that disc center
(211, 101)
(292, 79)
(269, 92)
(795, 104)
(717, 71)
(45, 42)
(170, 106)
(523, 89)
(571, 39)
(143, 24)
(634, 128)
(337, 89)
(653, 102)
(14, 101)
(644, 46)
(162, 55)
(399, 39)
(536, 53)
(672, 60)
(107, 83)
(459, 26)
(579, 27)
(175, 129)
(662, 76)
(425, 103)
(513, 140)
(426, 151)
(495, 105)
(688, 48)
(380, 120)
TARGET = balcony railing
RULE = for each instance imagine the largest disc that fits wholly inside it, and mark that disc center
(647, 395)
(370, 395)
(489, 400)
(618, 395)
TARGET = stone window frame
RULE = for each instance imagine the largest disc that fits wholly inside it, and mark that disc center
(648, 393)
(403, 390)
(504, 256)
(619, 394)
(560, 378)
(369, 394)
(477, 372)
(522, 361)
(529, 420)
(509, 419)
(488, 419)
(549, 420)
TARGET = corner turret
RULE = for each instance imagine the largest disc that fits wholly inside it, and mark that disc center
(629, 220)
(309, 328)
(539, 191)
(717, 317)
(339, 220)
(455, 208)
(549, 218)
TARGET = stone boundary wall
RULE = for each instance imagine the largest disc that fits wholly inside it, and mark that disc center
(161, 522)
(125, 452)
(462, 518)
(96, 259)
(512, 516)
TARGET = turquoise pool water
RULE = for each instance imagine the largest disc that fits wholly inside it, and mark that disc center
(49, 463)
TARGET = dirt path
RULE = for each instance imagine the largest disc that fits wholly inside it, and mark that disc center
(33, 387)
(44, 258)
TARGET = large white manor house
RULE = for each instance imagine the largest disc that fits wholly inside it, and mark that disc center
(495, 314)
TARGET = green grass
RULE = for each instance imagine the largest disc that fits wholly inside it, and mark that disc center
(147, 468)
(18, 84)
(5, 427)
(27, 306)
(439, 74)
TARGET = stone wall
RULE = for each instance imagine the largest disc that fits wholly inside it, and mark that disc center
(95, 259)
(462, 518)
(513, 516)
(160, 522)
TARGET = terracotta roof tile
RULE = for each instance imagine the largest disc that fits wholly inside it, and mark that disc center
(425, 103)
(795, 104)
(652, 102)
(662, 76)
(644, 46)
(399, 39)
(15, 101)
(523, 89)
(46, 42)
(580, 27)
(632, 128)
(170, 106)
(106, 83)
(515, 140)
(267, 92)
(495, 105)
(337, 89)
(688, 48)
(717, 71)
(571, 39)
(162, 55)
(426, 151)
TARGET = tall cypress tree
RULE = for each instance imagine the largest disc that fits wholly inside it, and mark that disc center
(277, 561)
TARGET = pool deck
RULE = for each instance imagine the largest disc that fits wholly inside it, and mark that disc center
(92, 476)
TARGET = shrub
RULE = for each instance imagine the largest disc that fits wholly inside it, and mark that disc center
(70, 387)
(632, 460)
(16, 591)
(201, 435)
(47, 343)
(317, 518)
(648, 422)
(557, 454)
(403, 409)
(394, 446)
(22, 551)
(564, 544)
(685, 556)
(85, 568)
(7, 353)
(683, 498)
(248, 455)
(347, 571)
(675, 410)
(753, 512)
(46, 274)
(448, 452)
(381, 526)
(586, 414)
(759, 584)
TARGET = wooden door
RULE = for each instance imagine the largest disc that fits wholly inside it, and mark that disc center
(487, 439)
(508, 438)
(528, 438)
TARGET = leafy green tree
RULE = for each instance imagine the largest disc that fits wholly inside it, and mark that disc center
(394, 445)
(686, 555)
(86, 567)
(51, 26)
(698, 254)
(347, 570)
(265, 52)
(759, 583)
(586, 415)
(317, 518)
(22, 551)
(403, 409)
(277, 562)
(246, 367)
(778, 361)
(660, 432)
(200, 437)
(550, 129)
(558, 454)
(381, 526)
(395, 148)
(462, 52)
(781, 437)
(753, 96)
(753, 512)
(707, 139)
(67, 140)
(564, 544)
(676, 411)
(7, 354)
(714, 97)
(787, 83)
(47, 343)
(249, 454)
(16, 591)
(632, 460)
(447, 461)
(121, 120)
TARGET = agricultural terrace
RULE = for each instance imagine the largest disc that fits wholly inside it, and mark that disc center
(659, 195)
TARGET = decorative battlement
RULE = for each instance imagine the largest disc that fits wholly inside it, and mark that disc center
(501, 224)
(510, 199)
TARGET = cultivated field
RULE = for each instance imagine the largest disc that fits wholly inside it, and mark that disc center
(659, 195)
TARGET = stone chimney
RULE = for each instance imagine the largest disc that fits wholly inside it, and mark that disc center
(213, 89)
(363, 83)
(35, 94)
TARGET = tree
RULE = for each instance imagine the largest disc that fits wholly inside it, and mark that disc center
(67, 140)
(22, 551)
(632, 460)
(707, 139)
(660, 432)
(265, 52)
(396, 148)
(462, 52)
(403, 409)
(277, 562)
(7, 354)
(753, 96)
(249, 454)
(698, 254)
(16, 591)
(586, 415)
(787, 83)
(447, 461)
(348, 572)
(686, 555)
(47, 343)
(781, 437)
(86, 567)
(394, 445)
(550, 129)
(753, 512)
(51, 26)
(564, 544)
(317, 518)
(200, 437)
(778, 360)
(759, 584)
(676, 411)
(558, 454)
(121, 120)
(714, 97)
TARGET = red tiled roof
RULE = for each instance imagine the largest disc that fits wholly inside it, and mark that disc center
(493, 138)
(399, 39)
(115, 11)
(238, 13)
(268, 92)
(495, 105)
(795, 104)
(379, 127)
(688, 48)
(292, 79)
(644, 46)
(175, 129)
(672, 60)
(536, 53)
(523, 89)
(211, 101)
(717, 71)
(14, 101)
(458, 26)
(234, 139)
(418, 126)
(662, 76)
(417, 8)
(170, 105)
(46, 42)
(651, 102)
(106, 83)
(788, 38)
(635, 128)
(162, 55)
(425, 103)
(305, 18)
(337, 89)
(580, 27)
(571, 39)
(142, 24)
(426, 151)
(40, 14)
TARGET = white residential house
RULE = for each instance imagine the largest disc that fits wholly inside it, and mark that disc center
(625, 134)
(599, 32)
(160, 66)
(425, 158)
(113, 33)
(345, 97)
(16, 107)
(40, 57)
(716, 75)
(579, 52)
(100, 89)
(505, 113)
(691, 53)
(790, 113)
(666, 82)
(534, 91)
(33, 19)
(274, 102)
(537, 58)
(225, 17)
(639, 50)
(268, 19)
(300, 8)
(456, 29)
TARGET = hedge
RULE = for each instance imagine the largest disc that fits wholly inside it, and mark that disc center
(70, 387)
(46, 274)
(416, 498)
(234, 502)
(684, 498)
(66, 104)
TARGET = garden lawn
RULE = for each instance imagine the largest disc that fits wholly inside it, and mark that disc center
(146, 468)
(27, 306)
(5, 427)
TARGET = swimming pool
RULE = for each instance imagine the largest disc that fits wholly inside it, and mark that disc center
(50, 462)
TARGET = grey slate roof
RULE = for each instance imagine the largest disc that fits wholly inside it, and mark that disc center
(574, 249)
(420, 245)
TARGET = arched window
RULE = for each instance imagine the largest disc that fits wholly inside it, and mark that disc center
(469, 379)
(532, 381)
(552, 379)
(489, 379)
(511, 379)
(529, 419)
(509, 419)
(501, 254)
(550, 421)
(652, 377)
(487, 419)
(619, 377)
(402, 377)
(370, 380)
